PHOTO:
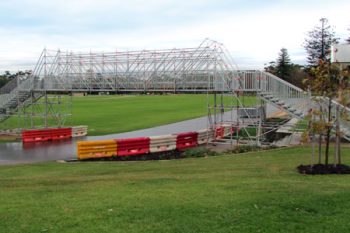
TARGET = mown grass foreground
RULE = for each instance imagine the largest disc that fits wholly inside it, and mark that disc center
(255, 192)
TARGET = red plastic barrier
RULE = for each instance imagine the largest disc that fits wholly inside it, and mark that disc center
(186, 140)
(37, 135)
(41, 135)
(61, 133)
(235, 129)
(219, 132)
(133, 146)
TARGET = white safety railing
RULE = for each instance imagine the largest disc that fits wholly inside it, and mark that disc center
(279, 92)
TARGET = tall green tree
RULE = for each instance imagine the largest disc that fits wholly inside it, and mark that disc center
(329, 82)
(285, 69)
(319, 41)
(283, 65)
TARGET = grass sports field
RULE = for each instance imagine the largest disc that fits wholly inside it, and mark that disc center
(255, 192)
(122, 113)
(115, 113)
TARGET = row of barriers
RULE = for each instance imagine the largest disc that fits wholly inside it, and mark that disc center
(153, 144)
(53, 134)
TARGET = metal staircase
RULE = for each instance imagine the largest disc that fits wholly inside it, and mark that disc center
(19, 92)
(290, 98)
(20, 96)
(11, 97)
(277, 92)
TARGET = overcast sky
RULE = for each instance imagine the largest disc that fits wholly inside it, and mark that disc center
(253, 31)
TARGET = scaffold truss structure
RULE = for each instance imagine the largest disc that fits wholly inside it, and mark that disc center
(207, 67)
(37, 97)
(42, 98)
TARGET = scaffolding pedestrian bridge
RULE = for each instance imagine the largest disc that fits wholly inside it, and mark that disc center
(208, 68)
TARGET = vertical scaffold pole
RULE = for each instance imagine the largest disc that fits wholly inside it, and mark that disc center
(46, 100)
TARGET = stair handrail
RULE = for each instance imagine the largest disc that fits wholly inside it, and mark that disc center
(20, 84)
(9, 86)
(282, 81)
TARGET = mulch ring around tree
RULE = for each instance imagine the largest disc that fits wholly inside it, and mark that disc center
(321, 169)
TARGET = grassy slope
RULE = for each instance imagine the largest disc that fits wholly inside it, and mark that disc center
(257, 192)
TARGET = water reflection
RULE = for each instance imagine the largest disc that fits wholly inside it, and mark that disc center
(41, 151)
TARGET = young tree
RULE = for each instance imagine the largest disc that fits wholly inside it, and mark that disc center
(284, 65)
(330, 82)
(319, 42)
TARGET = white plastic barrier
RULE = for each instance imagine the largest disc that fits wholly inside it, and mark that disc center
(205, 135)
(79, 131)
(227, 129)
(162, 143)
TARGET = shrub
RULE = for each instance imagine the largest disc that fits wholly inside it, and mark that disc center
(198, 152)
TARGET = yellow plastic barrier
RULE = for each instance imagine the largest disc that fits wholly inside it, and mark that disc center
(96, 149)
(205, 135)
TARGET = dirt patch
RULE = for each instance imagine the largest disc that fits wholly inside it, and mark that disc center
(9, 137)
(219, 148)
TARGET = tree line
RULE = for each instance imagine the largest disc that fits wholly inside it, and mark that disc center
(318, 47)
(8, 76)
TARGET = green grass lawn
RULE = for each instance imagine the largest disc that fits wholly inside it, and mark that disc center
(115, 114)
(256, 192)
(123, 113)
(301, 126)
